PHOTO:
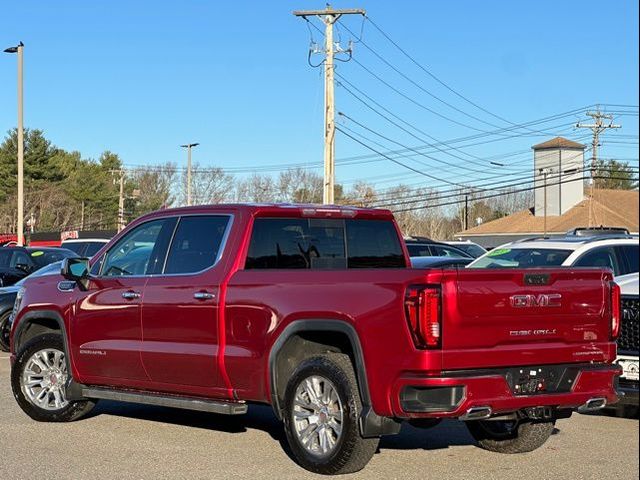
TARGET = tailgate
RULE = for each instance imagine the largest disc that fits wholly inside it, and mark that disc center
(497, 318)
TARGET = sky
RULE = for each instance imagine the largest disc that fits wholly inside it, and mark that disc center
(139, 78)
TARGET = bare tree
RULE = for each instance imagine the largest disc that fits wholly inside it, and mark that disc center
(257, 188)
(208, 186)
(299, 186)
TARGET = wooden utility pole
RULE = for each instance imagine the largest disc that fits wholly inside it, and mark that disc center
(597, 127)
(120, 173)
(329, 16)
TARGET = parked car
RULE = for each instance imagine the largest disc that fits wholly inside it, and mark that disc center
(628, 342)
(18, 262)
(85, 247)
(313, 310)
(425, 247)
(8, 298)
(440, 262)
(617, 252)
(469, 247)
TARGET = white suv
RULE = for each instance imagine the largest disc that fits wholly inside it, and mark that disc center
(617, 252)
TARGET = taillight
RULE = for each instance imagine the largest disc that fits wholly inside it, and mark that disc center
(422, 309)
(616, 310)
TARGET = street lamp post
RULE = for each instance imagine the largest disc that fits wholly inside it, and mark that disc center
(188, 146)
(18, 49)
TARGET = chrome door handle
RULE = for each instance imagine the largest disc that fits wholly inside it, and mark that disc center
(130, 295)
(203, 296)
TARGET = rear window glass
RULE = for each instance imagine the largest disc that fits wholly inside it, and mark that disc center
(298, 243)
(522, 258)
(374, 244)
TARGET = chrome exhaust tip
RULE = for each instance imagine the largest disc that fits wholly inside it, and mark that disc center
(476, 413)
(593, 404)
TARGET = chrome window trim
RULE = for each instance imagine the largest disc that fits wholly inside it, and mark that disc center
(223, 245)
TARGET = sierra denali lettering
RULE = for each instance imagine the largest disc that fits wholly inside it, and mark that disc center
(314, 311)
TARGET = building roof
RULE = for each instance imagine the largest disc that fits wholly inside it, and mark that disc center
(613, 208)
(558, 142)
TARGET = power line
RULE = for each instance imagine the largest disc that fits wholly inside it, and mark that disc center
(485, 197)
(401, 120)
(396, 161)
(433, 76)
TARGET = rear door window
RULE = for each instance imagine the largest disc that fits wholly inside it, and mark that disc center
(602, 257)
(196, 243)
(442, 251)
(629, 255)
(296, 243)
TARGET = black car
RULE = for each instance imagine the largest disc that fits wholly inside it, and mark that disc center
(18, 262)
(425, 247)
(8, 298)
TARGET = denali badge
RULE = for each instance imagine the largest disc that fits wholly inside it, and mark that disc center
(541, 300)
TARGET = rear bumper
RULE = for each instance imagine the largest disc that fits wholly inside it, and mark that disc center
(455, 393)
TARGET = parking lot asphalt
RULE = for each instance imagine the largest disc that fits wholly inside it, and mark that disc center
(139, 442)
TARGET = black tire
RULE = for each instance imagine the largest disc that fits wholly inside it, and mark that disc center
(510, 436)
(5, 329)
(351, 452)
(73, 410)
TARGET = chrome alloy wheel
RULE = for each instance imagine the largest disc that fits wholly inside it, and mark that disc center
(44, 379)
(317, 415)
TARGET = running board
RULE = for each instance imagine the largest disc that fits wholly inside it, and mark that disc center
(187, 403)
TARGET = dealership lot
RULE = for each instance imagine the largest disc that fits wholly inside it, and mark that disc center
(132, 441)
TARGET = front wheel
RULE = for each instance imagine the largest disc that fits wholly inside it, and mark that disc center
(511, 436)
(322, 409)
(38, 380)
(5, 330)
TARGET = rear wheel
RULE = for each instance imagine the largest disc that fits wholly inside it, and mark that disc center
(322, 410)
(513, 436)
(5, 329)
(38, 379)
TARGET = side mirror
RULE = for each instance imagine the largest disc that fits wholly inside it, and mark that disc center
(77, 270)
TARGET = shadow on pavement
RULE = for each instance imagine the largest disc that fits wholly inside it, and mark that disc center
(260, 417)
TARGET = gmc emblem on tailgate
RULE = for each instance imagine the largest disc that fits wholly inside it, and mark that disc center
(541, 300)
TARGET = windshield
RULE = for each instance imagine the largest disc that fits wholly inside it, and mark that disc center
(48, 270)
(471, 248)
(521, 258)
(42, 258)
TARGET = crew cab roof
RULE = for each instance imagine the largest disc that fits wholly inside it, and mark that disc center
(279, 210)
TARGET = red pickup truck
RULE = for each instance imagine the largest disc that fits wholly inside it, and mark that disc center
(315, 311)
